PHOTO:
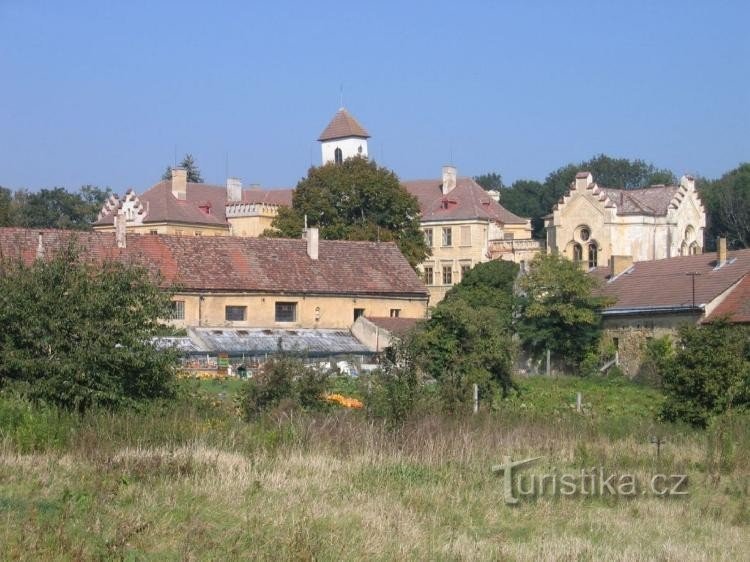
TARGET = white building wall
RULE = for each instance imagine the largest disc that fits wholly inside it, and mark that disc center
(349, 147)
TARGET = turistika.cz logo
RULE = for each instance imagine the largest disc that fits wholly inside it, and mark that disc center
(594, 481)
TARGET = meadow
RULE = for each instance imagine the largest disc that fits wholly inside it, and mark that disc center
(191, 480)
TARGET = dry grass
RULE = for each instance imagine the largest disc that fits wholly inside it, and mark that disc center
(342, 487)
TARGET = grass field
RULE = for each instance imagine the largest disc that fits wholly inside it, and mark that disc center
(192, 481)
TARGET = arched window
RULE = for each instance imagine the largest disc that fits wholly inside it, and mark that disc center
(592, 255)
(577, 252)
(338, 156)
(684, 249)
(694, 249)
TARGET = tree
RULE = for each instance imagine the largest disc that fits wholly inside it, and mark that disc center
(469, 339)
(528, 198)
(490, 181)
(78, 334)
(709, 374)
(7, 211)
(188, 163)
(58, 208)
(727, 202)
(558, 310)
(355, 200)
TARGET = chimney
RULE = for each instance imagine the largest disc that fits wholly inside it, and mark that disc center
(234, 190)
(449, 179)
(40, 247)
(311, 235)
(120, 224)
(583, 180)
(618, 264)
(179, 183)
(721, 251)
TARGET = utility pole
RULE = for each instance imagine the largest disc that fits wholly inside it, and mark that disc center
(693, 274)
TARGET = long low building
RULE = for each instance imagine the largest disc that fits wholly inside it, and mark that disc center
(236, 282)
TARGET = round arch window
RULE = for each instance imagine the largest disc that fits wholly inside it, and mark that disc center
(584, 234)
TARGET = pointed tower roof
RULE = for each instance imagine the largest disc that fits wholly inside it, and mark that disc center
(343, 125)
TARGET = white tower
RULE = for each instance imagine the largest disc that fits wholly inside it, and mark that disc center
(343, 138)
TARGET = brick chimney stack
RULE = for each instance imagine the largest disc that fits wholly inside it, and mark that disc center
(179, 183)
(449, 179)
(234, 190)
(721, 251)
(120, 229)
(312, 236)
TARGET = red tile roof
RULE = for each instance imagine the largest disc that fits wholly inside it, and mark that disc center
(162, 206)
(343, 125)
(736, 305)
(225, 263)
(397, 326)
(666, 283)
(466, 201)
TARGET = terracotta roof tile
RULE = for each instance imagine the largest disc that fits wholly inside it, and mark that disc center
(667, 283)
(466, 201)
(225, 263)
(343, 125)
(736, 305)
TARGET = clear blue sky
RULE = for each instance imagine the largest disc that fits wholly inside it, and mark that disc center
(101, 92)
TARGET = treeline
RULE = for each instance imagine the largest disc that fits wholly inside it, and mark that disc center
(726, 199)
(52, 208)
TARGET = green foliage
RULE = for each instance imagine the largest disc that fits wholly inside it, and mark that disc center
(56, 208)
(355, 200)
(727, 202)
(189, 164)
(557, 310)
(468, 340)
(77, 334)
(709, 374)
(396, 388)
(490, 181)
(7, 210)
(657, 355)
(283, 381)
(528, 198)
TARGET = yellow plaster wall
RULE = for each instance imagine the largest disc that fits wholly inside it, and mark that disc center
(251, 227)
(332, 312)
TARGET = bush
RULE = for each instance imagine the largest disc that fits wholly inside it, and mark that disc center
(657, 355)
(709, 374)
(395, 387)
(286, 382)
(78, 333)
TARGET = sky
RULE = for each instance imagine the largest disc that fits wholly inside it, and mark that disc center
(106, 93)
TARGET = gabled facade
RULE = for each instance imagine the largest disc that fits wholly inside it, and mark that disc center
(591, 224)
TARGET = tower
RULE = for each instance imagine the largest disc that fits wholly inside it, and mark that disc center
(343, 138)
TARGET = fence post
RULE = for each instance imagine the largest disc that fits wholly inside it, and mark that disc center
(476, 398)
(548, 362)
(578, 402)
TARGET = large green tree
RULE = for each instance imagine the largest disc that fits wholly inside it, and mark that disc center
(468, 338)
(709, 374)
(727, 202)
(355, 200)
(490, 181)
(59, 208)
(7, 210)
(558, 309)
(78, 334)
(189, 164)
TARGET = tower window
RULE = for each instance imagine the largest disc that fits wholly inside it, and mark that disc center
(338, 156)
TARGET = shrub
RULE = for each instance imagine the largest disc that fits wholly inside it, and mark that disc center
(709, 374)
(78, 333)
(657, 355)
(395, 387)
(283, 381)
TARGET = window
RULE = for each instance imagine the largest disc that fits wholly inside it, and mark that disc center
(235, 313)
(616, 343)
(508, 235)
(395, 312)
(358, 312)
(465, 267)
(577, 253)
(198, 233)
(429, 276)
(584, 233)
(447, 236)
(466, 236)
(447, 275)
(338, 156)
(592, 255)
(428, 237)
(153, 232)
(286, 312)
(178, 310)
